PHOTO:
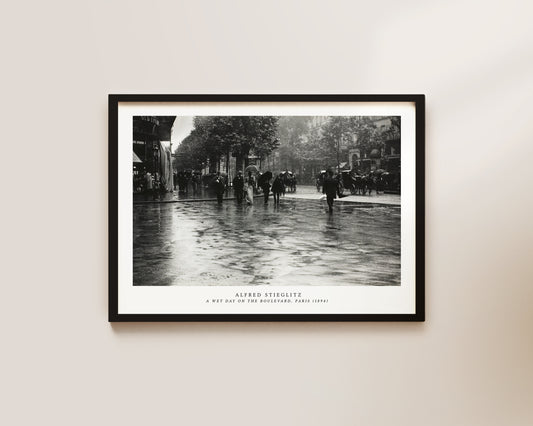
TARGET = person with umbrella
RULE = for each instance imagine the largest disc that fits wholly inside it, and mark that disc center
(252, 171)
(238, 186)
(251, 168)
(264, 183)
(250, 183)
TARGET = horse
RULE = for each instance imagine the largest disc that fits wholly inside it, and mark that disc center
(369, 183)
(363, 184)
(359, 184)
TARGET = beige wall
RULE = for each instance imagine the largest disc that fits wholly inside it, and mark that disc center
(470, 363)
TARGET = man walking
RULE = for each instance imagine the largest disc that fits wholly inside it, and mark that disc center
(238, 187)
(265, 186)
(278, 188)
(330, 189)
(220, 188)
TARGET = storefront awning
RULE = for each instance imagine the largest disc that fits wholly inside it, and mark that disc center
(136, 158)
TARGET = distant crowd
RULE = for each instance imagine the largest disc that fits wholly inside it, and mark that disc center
(253, 182)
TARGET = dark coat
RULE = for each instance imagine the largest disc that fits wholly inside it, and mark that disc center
(277, 185)
(330, 186)
(238, 182)
(219, 186)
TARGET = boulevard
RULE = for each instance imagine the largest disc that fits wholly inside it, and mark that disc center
(295, 243)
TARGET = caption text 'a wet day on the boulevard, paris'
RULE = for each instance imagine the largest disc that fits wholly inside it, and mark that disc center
(264, 200)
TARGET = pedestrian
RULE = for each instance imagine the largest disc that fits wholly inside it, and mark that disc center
(220, 188)
(148, 183)
(250, 189)
(278, 188)
(155, 186)
(265, 186)
(195, 181)
(330, 188)
(238, 186)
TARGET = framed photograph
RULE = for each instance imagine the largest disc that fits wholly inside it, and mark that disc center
(266, 207)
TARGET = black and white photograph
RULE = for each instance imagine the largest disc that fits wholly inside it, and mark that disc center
(283, 209)
(262, 200)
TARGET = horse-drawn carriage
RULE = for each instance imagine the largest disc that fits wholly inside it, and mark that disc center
(347, 181)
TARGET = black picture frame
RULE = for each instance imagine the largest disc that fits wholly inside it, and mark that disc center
(114, 102)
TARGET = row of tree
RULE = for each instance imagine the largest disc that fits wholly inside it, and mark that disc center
(342, 133)
(296, 138)
(303, 142)
(222, 136)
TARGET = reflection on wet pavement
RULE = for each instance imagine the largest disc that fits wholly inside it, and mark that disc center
(297, 243)
(200, 194)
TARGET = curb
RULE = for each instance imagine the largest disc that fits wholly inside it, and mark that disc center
(358, 203)
(188, 200)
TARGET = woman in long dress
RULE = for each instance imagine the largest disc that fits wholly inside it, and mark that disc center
(250, 189)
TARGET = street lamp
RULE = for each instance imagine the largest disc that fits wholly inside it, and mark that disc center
(171, 171)
(338, 161)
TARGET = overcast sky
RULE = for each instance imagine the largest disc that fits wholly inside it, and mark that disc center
(181, 129)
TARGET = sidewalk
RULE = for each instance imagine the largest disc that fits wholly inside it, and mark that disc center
(302, 193)
(178, 197)
(310, 193)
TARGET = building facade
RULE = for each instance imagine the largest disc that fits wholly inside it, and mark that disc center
(151, 146)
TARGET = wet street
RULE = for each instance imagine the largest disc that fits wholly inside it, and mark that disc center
(297, 243)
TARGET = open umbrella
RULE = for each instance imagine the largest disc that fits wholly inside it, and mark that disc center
(264, 177)
(251, 168)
